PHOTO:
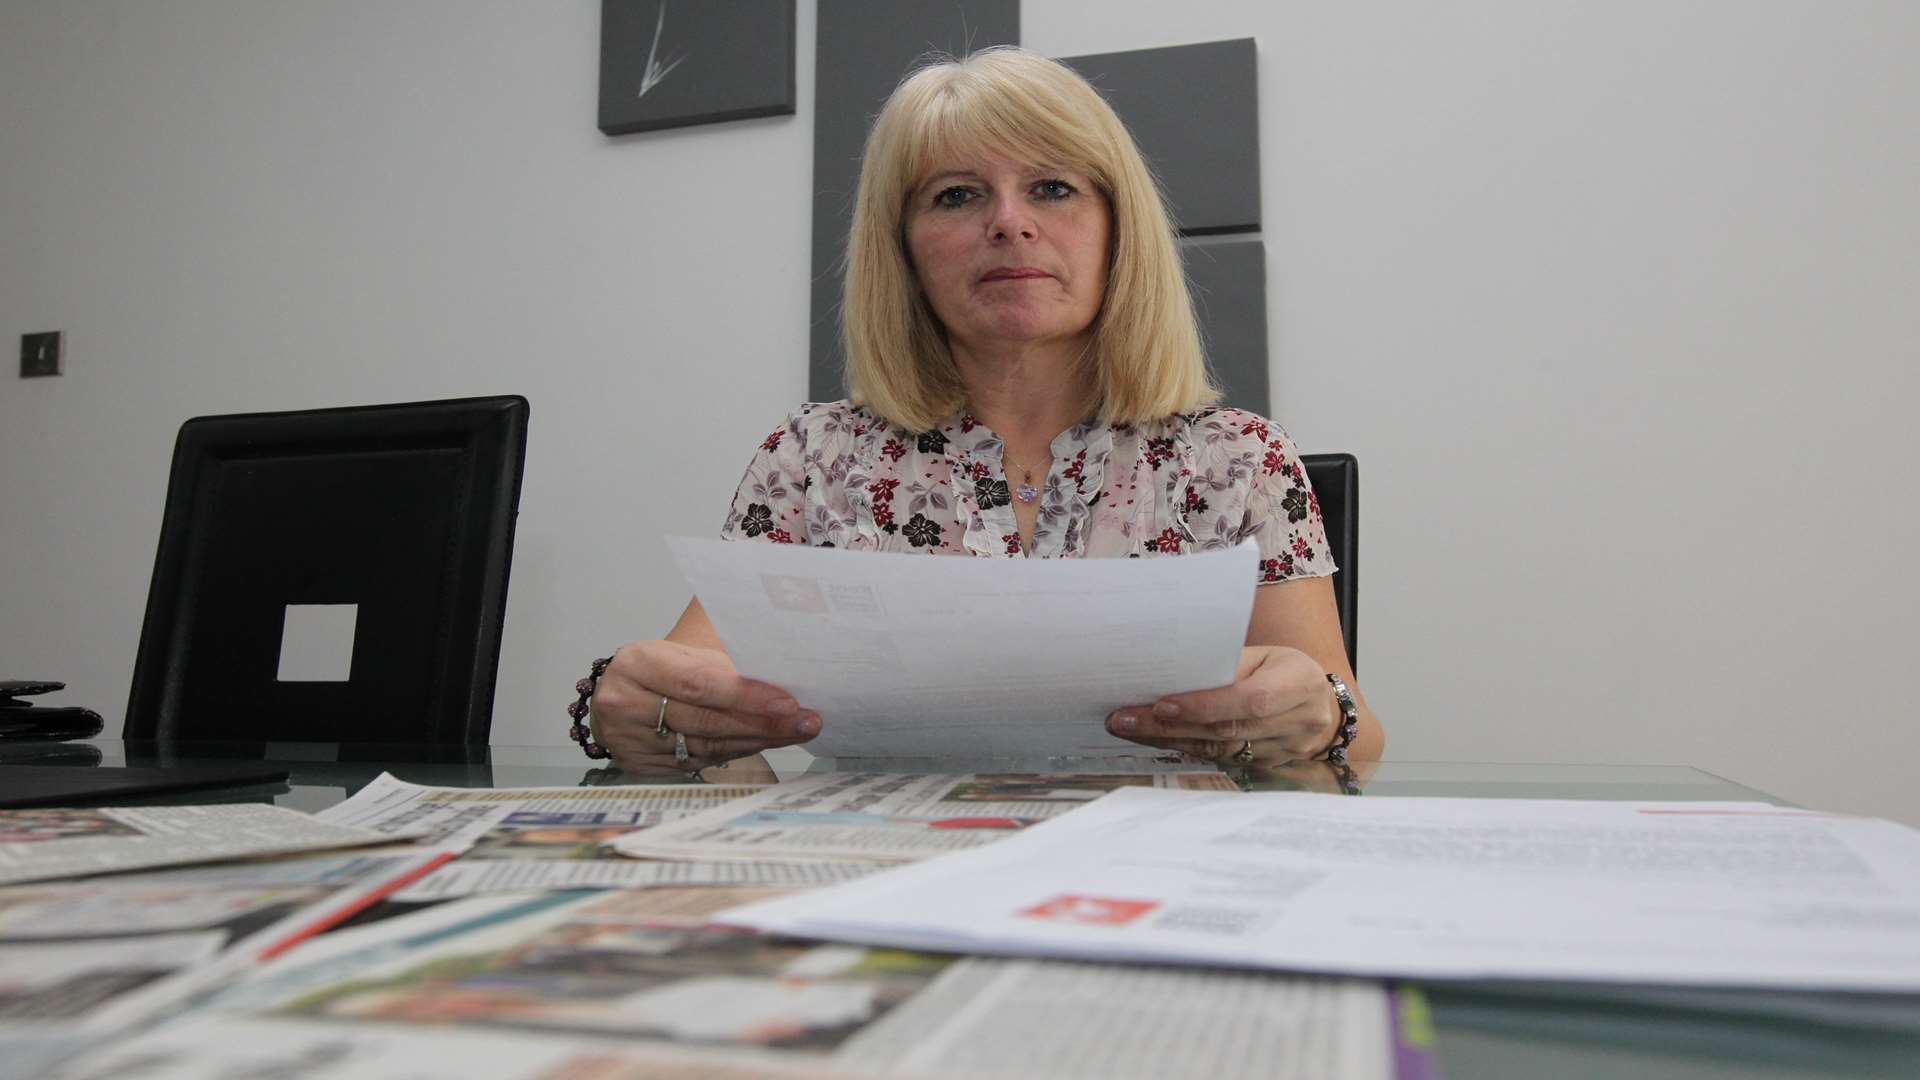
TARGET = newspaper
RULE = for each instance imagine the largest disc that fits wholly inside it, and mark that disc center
(1700, 894)
(533, 839)
(82, 959)
(889, 817)
(603, 986)
(47, 844)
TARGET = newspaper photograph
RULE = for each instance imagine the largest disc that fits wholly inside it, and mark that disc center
(48, 844)
(558, 982)
(889, 817)
(531, 839)
(82, 959)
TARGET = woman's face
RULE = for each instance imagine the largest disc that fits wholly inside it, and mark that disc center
(1009, 253)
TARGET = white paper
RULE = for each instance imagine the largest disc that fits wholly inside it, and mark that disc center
(903, 655)
(888, 817)
(1734, 894)
(79, 842)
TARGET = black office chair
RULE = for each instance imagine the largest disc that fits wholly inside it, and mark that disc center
(406, 512)
(1336, 480)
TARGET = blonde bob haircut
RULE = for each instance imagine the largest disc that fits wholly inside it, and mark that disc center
(1144, 360)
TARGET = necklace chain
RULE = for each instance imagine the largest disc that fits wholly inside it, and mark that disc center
(1024, 491)
(1011, 460)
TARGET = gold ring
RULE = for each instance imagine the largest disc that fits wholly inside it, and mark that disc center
(1245, 753)
(661, 728)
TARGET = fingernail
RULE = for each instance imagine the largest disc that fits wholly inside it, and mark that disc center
(809, 725)
(784, 707)
(1125, 721)
(1166, 710)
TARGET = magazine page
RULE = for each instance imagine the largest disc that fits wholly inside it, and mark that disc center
(890, 817)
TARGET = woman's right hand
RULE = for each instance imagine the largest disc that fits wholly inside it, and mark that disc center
(723, 714)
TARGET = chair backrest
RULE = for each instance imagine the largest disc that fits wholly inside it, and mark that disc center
(373, 543)
(1336, 482)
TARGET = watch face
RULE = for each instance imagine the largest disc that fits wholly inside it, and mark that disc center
(23, 687)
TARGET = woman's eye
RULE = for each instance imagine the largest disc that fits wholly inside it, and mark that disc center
(1054, 189)
(952, 197)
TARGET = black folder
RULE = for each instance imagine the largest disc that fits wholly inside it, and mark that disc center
(24, 786)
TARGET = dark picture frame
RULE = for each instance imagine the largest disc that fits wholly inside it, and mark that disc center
(676, 63)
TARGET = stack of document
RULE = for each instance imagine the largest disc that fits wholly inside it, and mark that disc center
(1724, 894)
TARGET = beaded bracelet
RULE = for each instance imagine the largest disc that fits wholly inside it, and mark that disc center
(580, 733)
(1343, 775)
(1336, 752)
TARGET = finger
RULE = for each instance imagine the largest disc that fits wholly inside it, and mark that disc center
(692, 721)
(719, 754)
(1145, 724)
(705, 696)
(1265, 702)
(701, 677)
(1208, 749)
(709, 751)
(714, 751)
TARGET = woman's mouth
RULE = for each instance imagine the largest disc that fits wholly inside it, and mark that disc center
(1014, 273)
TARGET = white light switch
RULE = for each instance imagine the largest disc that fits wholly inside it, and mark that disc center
(317, 644)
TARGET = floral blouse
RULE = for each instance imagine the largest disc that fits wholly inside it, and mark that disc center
(838, 476)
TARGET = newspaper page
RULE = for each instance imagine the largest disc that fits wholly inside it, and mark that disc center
(1068, 641)
(1705, 894)
(562, 983)
(889, 817)
(533, 839)
(83, 959)
(52, 843)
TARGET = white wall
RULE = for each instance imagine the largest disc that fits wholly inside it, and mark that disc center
(1614, 301)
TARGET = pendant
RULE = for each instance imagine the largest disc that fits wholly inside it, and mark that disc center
(1027, 493)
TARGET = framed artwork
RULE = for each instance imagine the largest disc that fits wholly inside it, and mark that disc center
(674, 63)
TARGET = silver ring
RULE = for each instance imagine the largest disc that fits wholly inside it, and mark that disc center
(679, 748)
(661, 728)
(1245, 753)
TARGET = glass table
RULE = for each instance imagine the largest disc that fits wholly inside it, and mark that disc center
(1483, 1029)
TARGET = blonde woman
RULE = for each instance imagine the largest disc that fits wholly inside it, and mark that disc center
(1027, 382)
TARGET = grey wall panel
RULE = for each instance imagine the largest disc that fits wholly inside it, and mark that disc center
(1194, 110)
(863, 47)
(696, 64)
(1228, 276)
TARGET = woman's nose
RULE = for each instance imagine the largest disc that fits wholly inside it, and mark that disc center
(1010, 219)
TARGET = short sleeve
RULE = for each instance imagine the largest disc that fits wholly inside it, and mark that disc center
(1283, 515)
(771, 503)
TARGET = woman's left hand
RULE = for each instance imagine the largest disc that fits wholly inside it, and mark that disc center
(1279, 708)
